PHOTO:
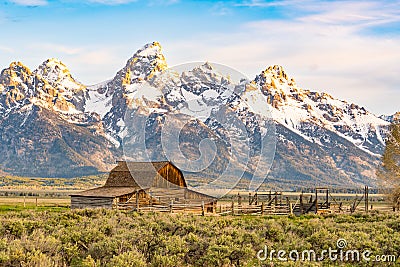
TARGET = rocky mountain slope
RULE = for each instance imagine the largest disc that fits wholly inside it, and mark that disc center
(319, 140)
(44, 130)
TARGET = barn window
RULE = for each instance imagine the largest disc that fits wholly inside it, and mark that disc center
(123, 198)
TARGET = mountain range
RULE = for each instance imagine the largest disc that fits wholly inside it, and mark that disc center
(51, 125)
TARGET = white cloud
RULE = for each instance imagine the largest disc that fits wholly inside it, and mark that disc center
(91, 63)
(53, 48)
(6, 49)
(324, 51)
(95, 65)
(30, 2)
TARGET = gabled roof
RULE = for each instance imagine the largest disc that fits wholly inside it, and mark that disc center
(141, 166)
(136, 174)
(126, 178)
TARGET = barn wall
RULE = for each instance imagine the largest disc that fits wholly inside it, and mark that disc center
(172, 174)
(80, 202)
(189, 194)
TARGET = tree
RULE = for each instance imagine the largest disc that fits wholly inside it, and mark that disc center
(389, 170)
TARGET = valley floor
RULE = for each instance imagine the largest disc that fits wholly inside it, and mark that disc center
(56, 236)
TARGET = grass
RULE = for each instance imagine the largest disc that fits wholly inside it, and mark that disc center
(7, 208)
(32, 184)
(56, 236)
(43, 204)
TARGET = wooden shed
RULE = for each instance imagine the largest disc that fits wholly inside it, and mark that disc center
(132, 185)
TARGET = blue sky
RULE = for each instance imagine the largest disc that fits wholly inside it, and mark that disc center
(350, 49)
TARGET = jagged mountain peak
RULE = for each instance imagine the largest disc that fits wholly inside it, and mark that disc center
(58, 75)
(391, 118)
(274, 80)
(18, 66)
(204, 75)
(207, 66)
(16, 69)
(396, 116)
(147, 61)
(54, 61)
(276, 70)
(53, 64)
(302, 110)
(149, 49)
(15, 84)
(142, 66)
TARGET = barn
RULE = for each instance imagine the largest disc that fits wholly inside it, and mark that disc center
(134, 185)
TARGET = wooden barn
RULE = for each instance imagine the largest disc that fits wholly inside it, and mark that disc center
(141, 185)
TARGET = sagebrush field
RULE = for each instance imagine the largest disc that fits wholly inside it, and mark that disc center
(101, 237)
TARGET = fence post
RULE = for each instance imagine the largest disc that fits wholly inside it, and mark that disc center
(137, 200)
(301, 204)
(289, 205)
(366, 198)
(24, 202)
(202, 208)
(262, 208)
(233, 207)
(170, 205)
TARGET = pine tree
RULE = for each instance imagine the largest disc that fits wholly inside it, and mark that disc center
(389, 170)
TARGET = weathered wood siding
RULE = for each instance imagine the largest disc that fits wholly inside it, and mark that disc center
(193, 195)
(80, 202)
(172, 175)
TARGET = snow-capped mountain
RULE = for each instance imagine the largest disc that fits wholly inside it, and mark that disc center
(390, 118)
(320, 140)
(44, 130)
(58, 76)
(301, 111)
(111, 98)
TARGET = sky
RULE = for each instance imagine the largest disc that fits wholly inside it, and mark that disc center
(349, 49)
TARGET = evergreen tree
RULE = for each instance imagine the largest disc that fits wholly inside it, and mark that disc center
(389, 170)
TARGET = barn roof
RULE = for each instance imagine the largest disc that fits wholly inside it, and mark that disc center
(126, 178)
(141, 166)
(136, 174)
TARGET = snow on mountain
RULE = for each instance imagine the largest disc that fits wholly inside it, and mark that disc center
(297, 109)
(98, 102)
(131, 86)
(50, 86)
(66, 93)
(58, 76)
(343, 136)
(390, 118)
(17, 87)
